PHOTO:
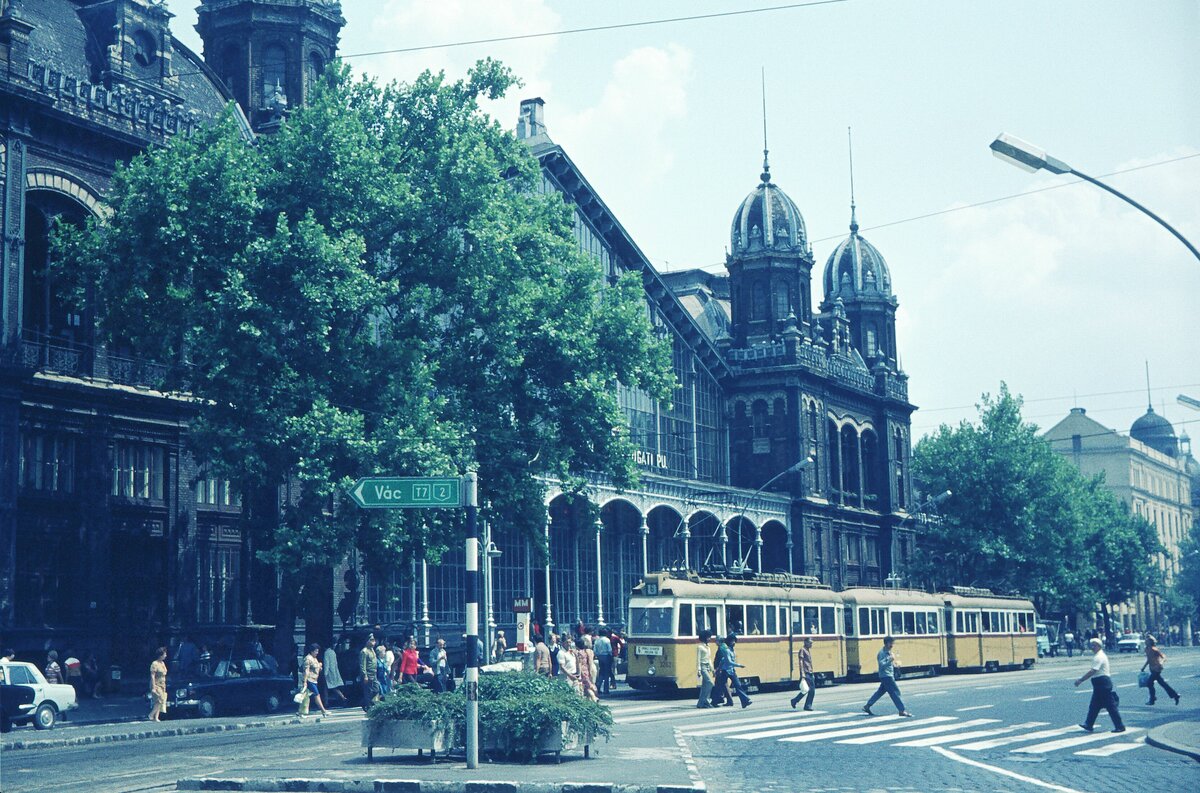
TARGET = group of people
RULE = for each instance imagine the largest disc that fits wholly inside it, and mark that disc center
(586, 661)
(381, 668)
(83, 676)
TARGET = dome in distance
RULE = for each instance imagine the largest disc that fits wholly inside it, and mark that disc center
(856, 268)
(767, 220)
(1156, 432)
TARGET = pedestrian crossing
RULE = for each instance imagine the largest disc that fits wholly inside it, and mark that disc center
(966, 732)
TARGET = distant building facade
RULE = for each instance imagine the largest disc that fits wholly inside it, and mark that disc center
(1148, 471)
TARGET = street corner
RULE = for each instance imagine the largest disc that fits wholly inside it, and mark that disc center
(1181, 737)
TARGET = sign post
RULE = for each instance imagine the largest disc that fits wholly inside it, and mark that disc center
(425, 492)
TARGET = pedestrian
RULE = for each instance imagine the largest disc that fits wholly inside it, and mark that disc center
(366, 673)
(204, 664)
(74, 669)
(618, 645)
(383, 672)
(408, 664)
(333, 676)
(729, 665)
(91, 676)
(806, 675)
(440, 662)
(604, 662)
(498, 647)
(555, 649)
(158, 685)
(541, 659)
(312, 673)
(53, 671)
(1069, 641)
(8, 655)
(704, 669)
(1155, 660)
(887, 679)
(568, 664)
(1103, 695)
(720, 693)
(585, 660)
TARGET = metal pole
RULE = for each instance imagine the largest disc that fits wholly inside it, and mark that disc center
(425, 624)
(645, 531)
(599, 576)
(488, 595)
(549, 626)
(1136, 205)
(471, 678)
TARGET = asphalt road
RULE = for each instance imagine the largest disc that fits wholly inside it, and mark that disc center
(1010, 732)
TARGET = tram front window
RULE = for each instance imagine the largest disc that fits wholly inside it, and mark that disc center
(650, 621)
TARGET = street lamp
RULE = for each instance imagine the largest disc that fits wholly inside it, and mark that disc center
(1030, 158)
(922, 511)
(1188, 402)
(489, 551)
(795, 468)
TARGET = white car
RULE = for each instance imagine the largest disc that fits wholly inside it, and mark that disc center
(49, 699)
(1131, 643)
(513, 661)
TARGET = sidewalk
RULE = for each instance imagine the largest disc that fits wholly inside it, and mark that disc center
(131, 729)
(1178, 736)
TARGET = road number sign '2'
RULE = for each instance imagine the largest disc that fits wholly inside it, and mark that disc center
(407, 492)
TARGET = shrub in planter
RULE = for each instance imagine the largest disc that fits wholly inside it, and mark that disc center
(520, 712)
(413, 718)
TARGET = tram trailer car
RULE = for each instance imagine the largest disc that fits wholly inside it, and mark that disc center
(770, 616)
(913, 617)
(989, 632)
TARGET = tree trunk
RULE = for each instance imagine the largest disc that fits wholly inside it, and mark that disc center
(318, 605)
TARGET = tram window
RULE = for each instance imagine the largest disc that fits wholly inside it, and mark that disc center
(921, 628)
(650, 621)
(848, 619)
(897, 623)
(973, 622)
(784, 624)
(932, 622)
(864, 622)
(772, 621)
(754, 620)
(828, 626)
(685, 619)
(958, 622)
(910, 623)
(706, 618)
(735, 620)
(797, 621)
(812, 623)
(985, 622)
(879, 621)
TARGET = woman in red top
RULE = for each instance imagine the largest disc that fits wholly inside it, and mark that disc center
(409, 662)
(1155, 660)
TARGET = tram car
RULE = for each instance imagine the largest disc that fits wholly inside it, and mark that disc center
(966, 630)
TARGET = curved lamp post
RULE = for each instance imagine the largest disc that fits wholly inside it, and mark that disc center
(922, 511)
(1030, 158)
(800, 466)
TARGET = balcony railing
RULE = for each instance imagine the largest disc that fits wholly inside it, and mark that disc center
(63, 358)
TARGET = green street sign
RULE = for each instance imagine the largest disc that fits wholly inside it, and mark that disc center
(407, 492)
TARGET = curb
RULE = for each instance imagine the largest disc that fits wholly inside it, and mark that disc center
(420, 786)
(1156, 738)
(58, 743)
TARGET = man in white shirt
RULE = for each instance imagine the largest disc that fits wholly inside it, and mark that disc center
(1103, 695)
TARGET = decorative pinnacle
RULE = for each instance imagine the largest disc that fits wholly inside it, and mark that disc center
(853, 213)
(766, 174)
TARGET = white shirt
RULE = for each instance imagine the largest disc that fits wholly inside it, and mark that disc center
(1100, 664)
(566, 662)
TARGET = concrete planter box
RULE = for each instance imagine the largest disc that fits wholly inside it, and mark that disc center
(565, 740)
(419, 735)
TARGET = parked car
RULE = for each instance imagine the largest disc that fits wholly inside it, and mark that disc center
(1131, 643)
(513, 660)
(233, 684)
(14, 701)
(49, 699)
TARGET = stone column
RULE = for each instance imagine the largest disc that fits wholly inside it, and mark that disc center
(426, 626)
(599, 575)
(758, 543)
(549, 626)
(645, 532)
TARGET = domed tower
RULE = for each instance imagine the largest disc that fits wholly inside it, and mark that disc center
(857, 275)
(269, 52)
(1156, 432)
(770, 265)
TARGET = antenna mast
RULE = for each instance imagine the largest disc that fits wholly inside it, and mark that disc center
(766, 174)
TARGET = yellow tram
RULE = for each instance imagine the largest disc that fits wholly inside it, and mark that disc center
(965, 630)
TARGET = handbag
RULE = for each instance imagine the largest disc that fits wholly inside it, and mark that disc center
(300, 696)
(1143, 679)
(804, 686)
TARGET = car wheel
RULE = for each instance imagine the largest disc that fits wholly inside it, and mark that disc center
(207, 708)
(273, 703)
(44, 716)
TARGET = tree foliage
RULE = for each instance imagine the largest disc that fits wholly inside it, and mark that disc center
(376, 288)
(1023, 519)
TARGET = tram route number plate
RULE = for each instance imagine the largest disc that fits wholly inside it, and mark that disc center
(647, 649)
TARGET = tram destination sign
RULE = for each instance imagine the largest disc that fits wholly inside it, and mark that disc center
(407, 492)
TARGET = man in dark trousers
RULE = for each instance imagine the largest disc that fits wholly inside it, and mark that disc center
(367, 673)
(806, 672)
(727, 667)
(1103, 695)
(887, 680)
(1155, 660)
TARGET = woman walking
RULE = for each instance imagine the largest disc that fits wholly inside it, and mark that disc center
(584, 659)
(312, 673)
(158, 685)
(1155, 660)
(568, 664)
(409, 663)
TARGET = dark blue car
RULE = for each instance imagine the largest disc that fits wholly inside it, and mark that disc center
(232, 685)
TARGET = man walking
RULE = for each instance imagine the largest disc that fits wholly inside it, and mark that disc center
(1069, 641)
(1155, 660)
(1103, 695)
(887, 680)
(367, 674)
(704, 670)
(604, 662)
(727, 666)
(806, 673)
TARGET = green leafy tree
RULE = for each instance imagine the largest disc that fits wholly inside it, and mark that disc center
(1023, 519)
(377, 288)
(1182, 602)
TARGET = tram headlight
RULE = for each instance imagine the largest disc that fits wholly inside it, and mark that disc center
(651, 670)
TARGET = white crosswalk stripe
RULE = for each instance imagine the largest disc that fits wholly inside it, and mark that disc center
(1011, 739)
(903, 734)
(746, 725)
(849, 721)
(944, 739)
(1111, 749)
(873, 727)
(1067, 743)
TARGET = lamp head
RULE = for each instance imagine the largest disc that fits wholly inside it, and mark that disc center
(1187, 401)
(800, 466)
(1025, 155)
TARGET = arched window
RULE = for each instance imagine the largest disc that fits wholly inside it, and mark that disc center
(274, 72)
(758, 306)
(849, 455)
(870, 464)
(783, 301)
(229, 64)
(759, 422)
(314, 69)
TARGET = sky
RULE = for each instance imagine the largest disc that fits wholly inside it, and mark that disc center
(1050, 285)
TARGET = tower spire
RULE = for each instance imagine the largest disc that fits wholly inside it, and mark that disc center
(1149, 399)
(853, 211)
(766, 172)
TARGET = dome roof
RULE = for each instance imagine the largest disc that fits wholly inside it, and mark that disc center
(856, 268)
(1156, 432)
(767, 220)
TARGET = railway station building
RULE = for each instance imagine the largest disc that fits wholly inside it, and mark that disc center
(112, 538)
